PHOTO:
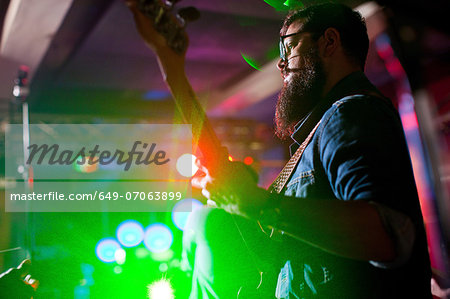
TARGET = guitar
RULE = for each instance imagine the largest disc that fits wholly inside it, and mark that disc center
(164, 33)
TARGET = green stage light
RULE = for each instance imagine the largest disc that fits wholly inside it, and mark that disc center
(251, 62)
(106, 250)
(158, 238)
(130, 233)
(117, 269)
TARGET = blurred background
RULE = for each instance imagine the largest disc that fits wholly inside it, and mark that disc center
(82, 61)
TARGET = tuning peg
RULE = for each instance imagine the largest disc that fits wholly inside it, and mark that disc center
(171, 3)
(189, 14)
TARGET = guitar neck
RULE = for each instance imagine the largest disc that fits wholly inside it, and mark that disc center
(186, 101)
(164, 33)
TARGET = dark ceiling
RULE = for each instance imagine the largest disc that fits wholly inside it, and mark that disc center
(113, 55)
(101, 53)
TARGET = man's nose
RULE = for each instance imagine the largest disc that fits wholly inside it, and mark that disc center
(281, 64)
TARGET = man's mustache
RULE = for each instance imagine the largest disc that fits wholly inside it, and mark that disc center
(291, 70)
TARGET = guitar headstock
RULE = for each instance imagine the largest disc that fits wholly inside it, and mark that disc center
(167, 23)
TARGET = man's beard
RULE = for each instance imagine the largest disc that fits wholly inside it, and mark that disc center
(300, 94)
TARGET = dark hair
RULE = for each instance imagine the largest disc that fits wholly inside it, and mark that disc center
(350, 25)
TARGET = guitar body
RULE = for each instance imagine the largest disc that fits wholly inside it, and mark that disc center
(164, 34)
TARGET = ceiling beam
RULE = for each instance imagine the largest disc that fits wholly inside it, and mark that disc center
(28, 30)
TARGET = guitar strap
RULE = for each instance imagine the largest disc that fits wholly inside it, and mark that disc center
(288, 169)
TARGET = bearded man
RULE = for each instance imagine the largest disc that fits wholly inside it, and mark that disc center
(343, 218)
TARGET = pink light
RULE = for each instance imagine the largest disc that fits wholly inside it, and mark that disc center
(409, 121)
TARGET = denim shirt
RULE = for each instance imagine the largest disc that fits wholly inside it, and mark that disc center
(358, 152)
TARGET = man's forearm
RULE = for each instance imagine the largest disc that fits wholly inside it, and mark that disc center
(349, 229)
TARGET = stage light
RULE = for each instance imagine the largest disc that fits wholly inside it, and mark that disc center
(117, 269)
(186, 165)
(248, 160)
(162, 256)
(16, 91)
(85, 166)
(251, 62)
(142, 253)
(163, 267)
(156, 95)
(120, 256)
(130, 233)
(158, 238)
(161, 289)
(106, 249)
(182, 210)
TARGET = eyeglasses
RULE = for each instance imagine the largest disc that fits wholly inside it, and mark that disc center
(284, 52)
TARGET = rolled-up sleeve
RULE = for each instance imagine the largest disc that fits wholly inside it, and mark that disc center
(364, 155)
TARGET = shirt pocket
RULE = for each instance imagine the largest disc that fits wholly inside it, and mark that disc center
(300, 184)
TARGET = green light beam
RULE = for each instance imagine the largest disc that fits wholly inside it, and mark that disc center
(251, 62)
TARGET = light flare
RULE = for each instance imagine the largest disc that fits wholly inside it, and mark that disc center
(161, 289)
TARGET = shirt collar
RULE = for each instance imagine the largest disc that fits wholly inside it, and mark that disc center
(354, 83)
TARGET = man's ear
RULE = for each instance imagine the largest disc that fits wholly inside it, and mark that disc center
(331, 41)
